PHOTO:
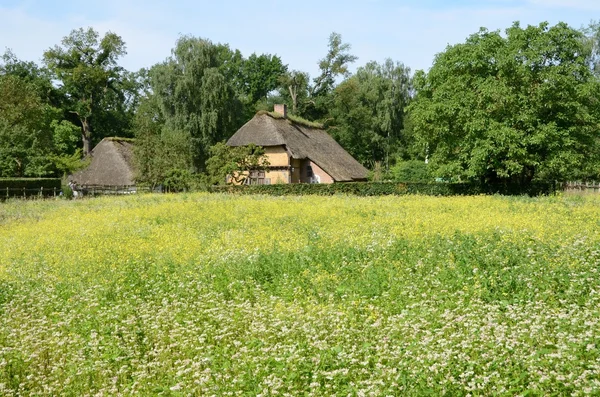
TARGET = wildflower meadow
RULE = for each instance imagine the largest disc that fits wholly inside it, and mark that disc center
(209, 294)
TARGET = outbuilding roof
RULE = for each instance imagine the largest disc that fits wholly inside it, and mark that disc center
(111, 164)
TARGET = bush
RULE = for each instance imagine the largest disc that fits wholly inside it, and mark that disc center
(178, 181)
(388, 188)
(66, 189)
(410, 171)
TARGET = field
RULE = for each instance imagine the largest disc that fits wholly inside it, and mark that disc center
(198, 294)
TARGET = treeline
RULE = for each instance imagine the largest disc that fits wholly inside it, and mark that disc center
(512, 107)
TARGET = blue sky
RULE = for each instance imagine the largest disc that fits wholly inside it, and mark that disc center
(408, 31)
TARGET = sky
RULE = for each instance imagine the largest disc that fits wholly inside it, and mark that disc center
(407, 31)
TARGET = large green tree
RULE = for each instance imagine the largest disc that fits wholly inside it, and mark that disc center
(35, 139)
(368, 111)
(86, 66)
(261, 75)
(25, 133)
(36, 77)
(158, 151)
(510, 108)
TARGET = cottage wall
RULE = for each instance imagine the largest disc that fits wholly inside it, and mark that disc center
(278, 176)
(322, 175)
(277, 156)
(284, 169)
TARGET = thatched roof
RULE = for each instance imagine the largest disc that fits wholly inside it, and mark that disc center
(111, 165)
(302, 141)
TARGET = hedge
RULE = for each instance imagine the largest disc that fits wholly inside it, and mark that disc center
(390, 188)
(19, 187)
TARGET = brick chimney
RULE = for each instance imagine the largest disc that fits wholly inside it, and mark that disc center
(281, 109)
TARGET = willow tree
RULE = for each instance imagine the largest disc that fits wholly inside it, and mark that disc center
(190, 105)
(368, 111)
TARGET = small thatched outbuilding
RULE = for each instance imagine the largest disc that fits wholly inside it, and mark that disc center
(297, 151)
(111, 167)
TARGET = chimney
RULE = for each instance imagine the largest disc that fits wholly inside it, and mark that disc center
(281, 109)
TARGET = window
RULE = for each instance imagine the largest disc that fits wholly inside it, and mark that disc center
(258, 178)
(309, 171)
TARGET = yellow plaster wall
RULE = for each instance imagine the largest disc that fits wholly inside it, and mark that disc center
(278, 176)
(277, 156)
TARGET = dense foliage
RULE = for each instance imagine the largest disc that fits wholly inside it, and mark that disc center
(512, 107)
(233, 165)
(518, 107)
(90, 77)
(368, 112)
(197, 294)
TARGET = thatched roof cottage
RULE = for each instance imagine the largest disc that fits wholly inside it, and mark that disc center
(297, 151)
(111, 166)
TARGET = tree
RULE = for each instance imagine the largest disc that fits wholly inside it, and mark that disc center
(334, 65)
(368, 111)
(234, 163)
(25, 138)
(35, 140)
(261, 74)
(509, 108)
(194, 97)
(40, 79)
(591, 39)
(87, 69)
(159, 152)
(294, 88)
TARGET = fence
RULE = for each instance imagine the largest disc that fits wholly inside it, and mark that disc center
(100, 190)
(18, 192)
(41, 192)
(579, 186)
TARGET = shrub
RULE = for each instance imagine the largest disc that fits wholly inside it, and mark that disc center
(178, 181)
(410, 171)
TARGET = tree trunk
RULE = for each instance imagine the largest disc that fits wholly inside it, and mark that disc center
(294, 95)
(86, 136)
